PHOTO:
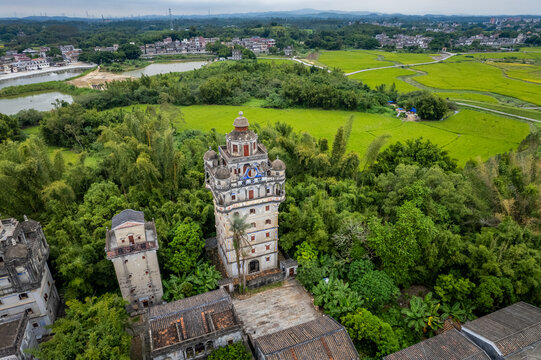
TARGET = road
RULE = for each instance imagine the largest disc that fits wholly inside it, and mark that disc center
(499, 112)
(445, 57)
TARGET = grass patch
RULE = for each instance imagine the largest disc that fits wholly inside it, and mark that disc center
(70, 156)
(386, 76)
(471, 75)
(43, 87)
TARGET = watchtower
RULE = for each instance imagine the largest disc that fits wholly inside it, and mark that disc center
(243, 181)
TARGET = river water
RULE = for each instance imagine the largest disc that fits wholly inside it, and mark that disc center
(155, 69)
(40, 102)
(38, 78)
(44, 102)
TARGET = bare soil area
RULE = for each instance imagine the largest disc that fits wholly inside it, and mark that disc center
(97, 79)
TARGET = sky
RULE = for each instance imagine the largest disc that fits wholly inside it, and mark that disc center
(126, 8)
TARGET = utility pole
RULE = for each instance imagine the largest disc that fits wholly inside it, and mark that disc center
(170, 20)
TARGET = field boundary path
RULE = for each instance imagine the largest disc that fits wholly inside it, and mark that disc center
(444, 57)
(499, 112)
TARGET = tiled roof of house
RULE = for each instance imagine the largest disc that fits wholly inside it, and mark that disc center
(191, 317)
(450, 345)
(127, 215)
(322, 338)
(510, 329)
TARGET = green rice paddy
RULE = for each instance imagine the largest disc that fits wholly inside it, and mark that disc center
(466, 135)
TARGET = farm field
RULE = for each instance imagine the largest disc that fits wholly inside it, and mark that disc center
(526, 72)
(353, 60)
(275, 61)
(530, 113)
(472, 96)
(469, 134)
(387, 77)
(470, 75)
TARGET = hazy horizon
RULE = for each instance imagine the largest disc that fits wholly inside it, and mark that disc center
(125, 8)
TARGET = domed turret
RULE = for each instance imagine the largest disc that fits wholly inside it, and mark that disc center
(222, 173)
(278, 165)
(241, 123)
(210, 155)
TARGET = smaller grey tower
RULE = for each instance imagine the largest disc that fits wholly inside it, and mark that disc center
(131, 245)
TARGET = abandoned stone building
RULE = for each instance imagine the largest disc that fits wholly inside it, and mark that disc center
(244, 182)
(131, 245)
(16, 335)
(512, 333)
(191, 328)
(26, 284)
(321, 338)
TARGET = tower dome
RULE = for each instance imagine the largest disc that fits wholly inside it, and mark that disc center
(241, 123)
(210, 155)
(222, 173)
(278, 165)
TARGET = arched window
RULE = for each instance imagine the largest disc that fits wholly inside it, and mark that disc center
(253, 266)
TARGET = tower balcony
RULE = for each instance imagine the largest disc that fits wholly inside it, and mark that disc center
(131, 249)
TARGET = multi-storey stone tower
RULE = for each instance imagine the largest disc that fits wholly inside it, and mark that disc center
(26, 284)
(131, 245)
(243, 181)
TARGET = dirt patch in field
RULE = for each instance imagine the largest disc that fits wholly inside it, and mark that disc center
(97, 79)
(312, 56)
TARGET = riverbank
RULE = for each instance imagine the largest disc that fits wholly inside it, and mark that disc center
(17, 75)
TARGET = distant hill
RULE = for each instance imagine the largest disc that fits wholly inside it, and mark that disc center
(301, 13)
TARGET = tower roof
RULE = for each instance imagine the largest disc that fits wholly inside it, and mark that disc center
(128, 215)
(241, 121)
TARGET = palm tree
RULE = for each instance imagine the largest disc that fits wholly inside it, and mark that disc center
(238, 227)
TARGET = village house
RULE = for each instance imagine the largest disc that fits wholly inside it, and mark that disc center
(26, 284)
(16, 336)
(512, 333)
(191, 328)
(321, 338)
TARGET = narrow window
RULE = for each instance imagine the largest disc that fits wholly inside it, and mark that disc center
(253, 237)
(268, 221)
(253, 225)
(46, 297)
(267, 234)
(267, 258)
(132, 240)
(253, 251)
(250, 194)
(235, 148)
(268, 191)
(252, 211)
(233, 197)
(144, 257)
(267, 247)
(267, 208)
